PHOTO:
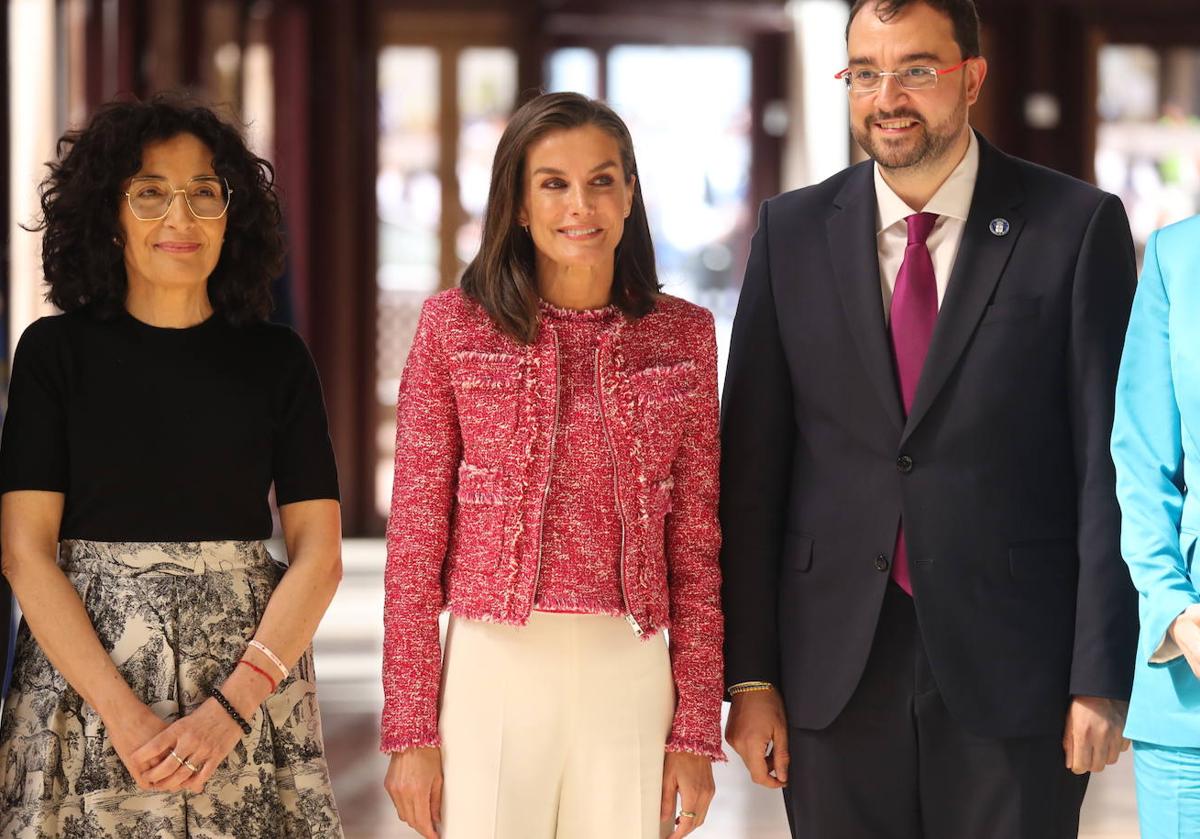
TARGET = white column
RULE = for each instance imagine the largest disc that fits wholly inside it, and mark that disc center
(819, 143)
(33, 125)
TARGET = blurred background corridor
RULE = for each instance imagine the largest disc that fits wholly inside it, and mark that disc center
(381, 118)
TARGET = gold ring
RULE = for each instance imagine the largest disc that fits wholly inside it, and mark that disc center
(183, 762)
(686, 814)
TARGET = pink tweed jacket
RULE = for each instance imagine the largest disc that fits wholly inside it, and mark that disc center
(475, 433)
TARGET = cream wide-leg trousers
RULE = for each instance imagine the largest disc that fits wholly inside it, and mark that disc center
(554, 730)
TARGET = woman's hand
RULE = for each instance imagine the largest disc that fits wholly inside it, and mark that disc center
(690, 777)
(130, 729)
(414, 782)
(203, 738)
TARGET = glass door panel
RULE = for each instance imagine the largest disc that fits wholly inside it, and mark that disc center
(1148, 143)
(693, 146)
(408, 195)
(573, 68)
(423, 153)
(487, 93)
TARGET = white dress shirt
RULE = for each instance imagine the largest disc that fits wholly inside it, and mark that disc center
(951, 203)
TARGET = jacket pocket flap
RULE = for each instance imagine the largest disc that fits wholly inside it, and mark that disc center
(1045, 559)
(665, 382)
(485, 370)
(798, 551)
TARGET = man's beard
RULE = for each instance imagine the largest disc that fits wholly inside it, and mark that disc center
(932, 145)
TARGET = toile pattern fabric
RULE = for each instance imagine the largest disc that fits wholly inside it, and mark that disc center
(175, 617)
(478, 419)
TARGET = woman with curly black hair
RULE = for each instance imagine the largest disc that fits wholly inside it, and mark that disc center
(163, 684)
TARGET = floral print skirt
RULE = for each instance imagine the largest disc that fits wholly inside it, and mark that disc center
(175, 617)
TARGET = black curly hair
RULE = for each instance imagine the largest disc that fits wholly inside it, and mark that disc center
(81, 198)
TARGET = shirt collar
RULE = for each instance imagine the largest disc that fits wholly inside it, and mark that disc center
(952, 199)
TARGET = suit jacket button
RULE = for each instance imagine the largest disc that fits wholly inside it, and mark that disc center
(904, 463)
(881, 563)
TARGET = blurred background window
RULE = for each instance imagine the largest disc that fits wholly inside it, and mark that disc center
(427, 231)
(574, 68)
(688, 109)
(408, 194)
(1148, 141)
(487, 94)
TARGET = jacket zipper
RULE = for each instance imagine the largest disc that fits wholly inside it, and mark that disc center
(633, 623)
(537, 574)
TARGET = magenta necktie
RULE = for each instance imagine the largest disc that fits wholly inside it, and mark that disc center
(914, 312)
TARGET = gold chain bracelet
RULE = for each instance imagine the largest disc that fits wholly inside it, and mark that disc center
(750, 687)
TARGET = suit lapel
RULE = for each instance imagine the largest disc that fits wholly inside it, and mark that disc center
(855, 257)
(981, 259)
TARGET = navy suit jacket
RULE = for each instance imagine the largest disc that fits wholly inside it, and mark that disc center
(1001, 471)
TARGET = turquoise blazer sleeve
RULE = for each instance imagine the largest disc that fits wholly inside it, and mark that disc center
(1158, 394)
(1148, 452)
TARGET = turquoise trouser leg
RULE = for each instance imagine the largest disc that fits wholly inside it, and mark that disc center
(1168, 791)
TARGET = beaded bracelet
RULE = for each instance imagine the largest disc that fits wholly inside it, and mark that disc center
(265, 650)
(261, 672)
(229, 709)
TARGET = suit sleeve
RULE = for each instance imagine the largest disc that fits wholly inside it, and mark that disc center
(428, 446)
(757, 438)
(1106, 608)
(1148, 450)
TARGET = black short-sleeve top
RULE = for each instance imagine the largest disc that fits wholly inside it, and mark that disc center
(164, 435)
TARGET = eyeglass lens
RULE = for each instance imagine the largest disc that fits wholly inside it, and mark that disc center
(150, 198)
(910, 78)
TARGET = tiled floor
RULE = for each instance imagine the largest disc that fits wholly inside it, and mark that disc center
(347, 649)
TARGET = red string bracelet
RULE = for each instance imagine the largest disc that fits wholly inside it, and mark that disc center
(260, 672)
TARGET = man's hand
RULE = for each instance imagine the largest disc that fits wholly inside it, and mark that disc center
(756, 721)
(1093, 739)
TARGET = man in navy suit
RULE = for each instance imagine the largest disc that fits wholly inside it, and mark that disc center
(927, 615)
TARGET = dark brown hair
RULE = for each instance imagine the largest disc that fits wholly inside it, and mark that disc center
(81, 199)
(502, 277)
(962, 13)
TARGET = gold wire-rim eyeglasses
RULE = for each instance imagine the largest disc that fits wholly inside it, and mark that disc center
(173, 191)
(847, 75)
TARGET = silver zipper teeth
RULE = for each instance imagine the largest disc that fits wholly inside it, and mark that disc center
(537, 574)
(633, 624)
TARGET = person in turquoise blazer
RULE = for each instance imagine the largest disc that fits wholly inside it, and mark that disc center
(1156, 441)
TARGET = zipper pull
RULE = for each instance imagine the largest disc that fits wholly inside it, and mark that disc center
(634, 625)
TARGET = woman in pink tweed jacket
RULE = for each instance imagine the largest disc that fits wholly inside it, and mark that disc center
(556, 490)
